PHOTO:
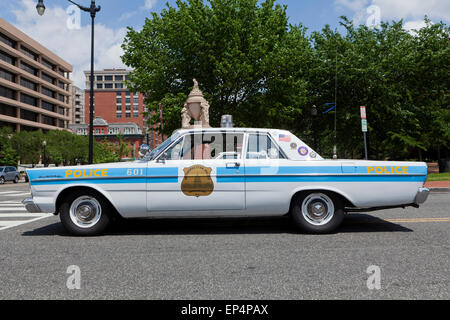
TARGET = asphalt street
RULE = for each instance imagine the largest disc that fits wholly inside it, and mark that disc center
(227, 258)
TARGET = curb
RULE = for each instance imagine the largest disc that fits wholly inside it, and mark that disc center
(439, 190)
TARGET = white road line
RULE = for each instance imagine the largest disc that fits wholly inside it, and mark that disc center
(18, 194)
(23, 215)
(11, 224)
(12, 209)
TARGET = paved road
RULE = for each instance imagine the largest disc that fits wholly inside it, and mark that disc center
(232, 259)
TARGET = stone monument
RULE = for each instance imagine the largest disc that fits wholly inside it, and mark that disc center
(197, 108)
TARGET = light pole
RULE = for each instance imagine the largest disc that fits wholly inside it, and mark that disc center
(314, 117)
(44, 160)
(93, 9)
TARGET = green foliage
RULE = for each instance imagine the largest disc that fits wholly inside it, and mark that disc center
(8, 155)
(251, 63)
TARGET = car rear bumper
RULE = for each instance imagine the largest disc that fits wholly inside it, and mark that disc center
(31, 206)
(422, 195)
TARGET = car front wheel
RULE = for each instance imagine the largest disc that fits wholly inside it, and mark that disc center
(85, 214)
(2, 180)
(317, 212)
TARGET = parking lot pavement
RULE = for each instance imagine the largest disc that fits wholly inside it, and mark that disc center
(12, 211)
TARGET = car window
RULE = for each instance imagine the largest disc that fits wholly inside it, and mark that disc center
(260, 146)
(207, 146)
(1, 169)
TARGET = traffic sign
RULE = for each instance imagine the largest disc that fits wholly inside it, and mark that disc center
(363, 113)
(364, 125)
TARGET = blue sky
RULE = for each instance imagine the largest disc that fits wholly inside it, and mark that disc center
(73, 43)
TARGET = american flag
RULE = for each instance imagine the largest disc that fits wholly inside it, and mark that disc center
(284, 138)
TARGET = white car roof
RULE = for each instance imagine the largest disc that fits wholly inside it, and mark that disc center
(181, 131)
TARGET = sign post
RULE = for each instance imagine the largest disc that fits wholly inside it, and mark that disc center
(364, 129)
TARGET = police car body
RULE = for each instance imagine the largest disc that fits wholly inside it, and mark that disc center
(225, 172)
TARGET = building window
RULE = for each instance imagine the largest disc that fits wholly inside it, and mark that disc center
(128, 115)
(61, 111)
(108, 85)
(99, 78)
(28, 115)
(28, 84)
(136, 114)
(29, 53)
(7, 75)
(7, 93)
(29, 69)
(7, 58)
(48, 106)
(7, 40)
(118, 115)
(7, 110)
(49, 120)
(128, 107)
(99, 85)
(61, 73)
(47, 78)
(127, 100)
(119, 78)
(62, 85)
(28, 99)
(119, 100)
(49, 65)
(119, 107)
(108, 78)
(48, 92)
(61, 98)
(118, 85)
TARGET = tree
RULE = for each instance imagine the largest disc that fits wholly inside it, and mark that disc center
(249, 61)
(8, 156)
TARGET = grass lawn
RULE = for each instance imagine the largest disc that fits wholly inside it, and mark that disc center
(439, 176)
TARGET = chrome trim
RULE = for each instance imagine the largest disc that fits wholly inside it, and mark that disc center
(31, 206)
(422, 195)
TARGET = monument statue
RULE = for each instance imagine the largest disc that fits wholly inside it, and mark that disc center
(197, 108)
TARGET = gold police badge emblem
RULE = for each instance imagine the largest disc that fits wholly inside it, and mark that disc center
(197, 181)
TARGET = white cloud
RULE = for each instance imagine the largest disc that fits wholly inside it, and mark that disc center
(411, 11)
(149, 4)
(72, 45)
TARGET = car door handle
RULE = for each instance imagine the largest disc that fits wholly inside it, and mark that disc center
(233, 164)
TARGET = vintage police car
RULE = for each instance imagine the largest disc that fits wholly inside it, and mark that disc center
(225, 173)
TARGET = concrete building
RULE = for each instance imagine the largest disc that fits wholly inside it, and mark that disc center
(34, 84)
(78, 105)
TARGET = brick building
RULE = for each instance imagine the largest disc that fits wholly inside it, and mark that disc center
(131, 132)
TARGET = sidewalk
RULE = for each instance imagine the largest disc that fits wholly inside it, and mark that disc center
(438, 186)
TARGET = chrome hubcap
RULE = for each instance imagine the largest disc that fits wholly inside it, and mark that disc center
(317, 209)
(85, 212)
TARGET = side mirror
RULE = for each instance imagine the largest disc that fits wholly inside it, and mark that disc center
(143, 150)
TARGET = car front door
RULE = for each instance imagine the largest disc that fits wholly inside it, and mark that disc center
(201, 173)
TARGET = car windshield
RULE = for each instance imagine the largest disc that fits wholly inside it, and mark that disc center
(155, 152)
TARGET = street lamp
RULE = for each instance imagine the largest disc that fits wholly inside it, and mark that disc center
(40, 7)
(314, 116)
(93, 9)
(44, 160)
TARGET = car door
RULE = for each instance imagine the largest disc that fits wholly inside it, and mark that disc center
(9, 173)
(201, 173)
(266, 190)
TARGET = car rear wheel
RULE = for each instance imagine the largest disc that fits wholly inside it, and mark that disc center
(317, 212)
(85, 213)
(16, 179)
(2, 180)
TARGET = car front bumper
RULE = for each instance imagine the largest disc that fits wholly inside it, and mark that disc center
(422, 195)
(31, 206)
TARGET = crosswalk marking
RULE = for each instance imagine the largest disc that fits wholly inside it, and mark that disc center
(13, 212)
